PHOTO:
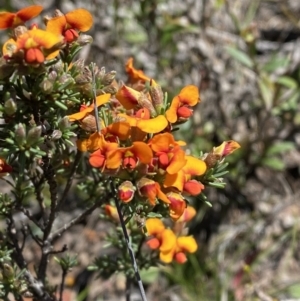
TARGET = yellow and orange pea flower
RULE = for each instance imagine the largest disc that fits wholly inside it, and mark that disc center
(220, 152)
(11, 20)
(182, 180)
(165, 240)
(126, 192)
(180, 108)
(151, 190)
(70, 24)
(112, 212)
(171, 157)
(34, 43)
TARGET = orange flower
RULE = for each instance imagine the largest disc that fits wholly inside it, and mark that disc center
(69, 24)
(98, 158)
(170, 246)
(120, 129)
(130, 156)
(177, 205)
(184, 244)
(10, 20)
(151, 190)
(126, 191)
(134, 74)
(112, 212)
(161, 238)
(180, 106)
(226, 148)
(218, 153)
(170, 156)
(84, 110)
(182, 179)
(34, 43)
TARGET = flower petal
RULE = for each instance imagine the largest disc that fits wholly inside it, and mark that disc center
(128, 97)
(57, 25)
(189, 95)
(154, 226)
(194, 166)
(154, 125)
(142, 151)
(28, 13)
(6, 19)
(120, 129)
(80, 19)
(100, 100)
(175, 180)
(187, 243)
(168, 241)
(177, 162)
(134, 74)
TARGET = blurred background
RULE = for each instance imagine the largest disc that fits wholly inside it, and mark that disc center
(245, 58)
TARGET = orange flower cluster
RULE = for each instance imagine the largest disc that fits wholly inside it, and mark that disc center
(34, 46)
(138, 144)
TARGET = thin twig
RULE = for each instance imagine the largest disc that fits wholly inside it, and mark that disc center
(95, 97)
(63, 278)
(129, 247)
(75, 221)
(70, 179)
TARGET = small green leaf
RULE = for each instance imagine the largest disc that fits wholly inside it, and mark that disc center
(280, 147)
(274, 163)
(287, 81)
(150, 275)
(275, 62)
(240, 56)
(267, 90)
(294, 290)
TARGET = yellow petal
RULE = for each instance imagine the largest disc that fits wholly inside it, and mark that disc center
(80, 19)
(194, 166)
(168, 239)
(154, 125)
(187, 243)
(154, 226)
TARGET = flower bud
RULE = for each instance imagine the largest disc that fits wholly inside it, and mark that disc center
(64, 123)
(56, 135)
(110, 90)
(112, 212)
(46, 86)
(126, 191)
(211, 160)
(34, 135)
(193, 187)
(88, 123)
(84, 39)
(177, 205)
(10, 107)
(7, 271)
(108, 78)
(20, 134)
(66, 79)
(144, 102)
(58, 66)
(52, 76)
(157, 96)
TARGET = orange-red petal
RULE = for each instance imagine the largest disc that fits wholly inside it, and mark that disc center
(28, 13)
